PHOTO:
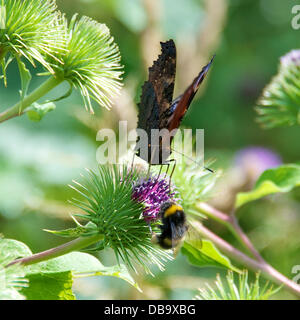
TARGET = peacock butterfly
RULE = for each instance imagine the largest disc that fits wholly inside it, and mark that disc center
(158, 110)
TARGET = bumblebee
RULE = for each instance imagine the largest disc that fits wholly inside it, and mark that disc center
(173, 226)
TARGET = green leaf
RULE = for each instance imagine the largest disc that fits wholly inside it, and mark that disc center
(87, 230)
(49, 286)
(205, 255)
(52, 279)
(68, 233)
(281, 179)
(10, 294)
(4, 64)
(36, 111)
(81, 265)
(119, 271)
(12, 278)
(25, 78)
(14, 249)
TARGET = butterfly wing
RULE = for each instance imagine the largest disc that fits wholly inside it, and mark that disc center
(157, 91)
(181, 104)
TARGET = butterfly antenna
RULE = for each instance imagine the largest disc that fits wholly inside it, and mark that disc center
(206, 168)
(157, 178)
(170, 179)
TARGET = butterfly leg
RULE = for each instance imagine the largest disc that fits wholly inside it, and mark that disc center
(129, 173)
(159, 173)
(173, 169)
(132, 161)
(148, 172)
(167, 170)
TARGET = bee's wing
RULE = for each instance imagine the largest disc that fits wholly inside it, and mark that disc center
(177, 239)
(193, 235)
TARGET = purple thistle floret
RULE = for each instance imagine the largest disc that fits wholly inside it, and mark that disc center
(291, 58)
(153, 192)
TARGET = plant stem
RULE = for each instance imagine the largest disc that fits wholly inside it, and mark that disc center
(18, 109)
(77, 244)
(240, 235)
(267, 270)
(232, 224)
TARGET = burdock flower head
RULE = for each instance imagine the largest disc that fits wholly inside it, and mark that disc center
(28, 29)
(114, 211)
(152, 192)
(291, 59)
(279, 104)
(90, 60)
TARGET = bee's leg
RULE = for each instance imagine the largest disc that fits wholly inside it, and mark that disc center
(176, 249)
(151, 162)
(157, 178)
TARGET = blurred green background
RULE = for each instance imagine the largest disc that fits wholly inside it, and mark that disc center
(39, 160)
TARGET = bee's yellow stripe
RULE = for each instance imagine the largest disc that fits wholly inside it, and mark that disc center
(173, 208)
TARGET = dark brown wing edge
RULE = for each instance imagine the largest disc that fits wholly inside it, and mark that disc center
(157, 92)
(184, 101)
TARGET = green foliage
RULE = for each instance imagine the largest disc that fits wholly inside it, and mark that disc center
(193, 182)
(205, 255)
(36, 112)
(281, 179)
(51, 279)
(236, 290)
(279, 104)
(57, 275)
(25, 78)
(50, 286)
